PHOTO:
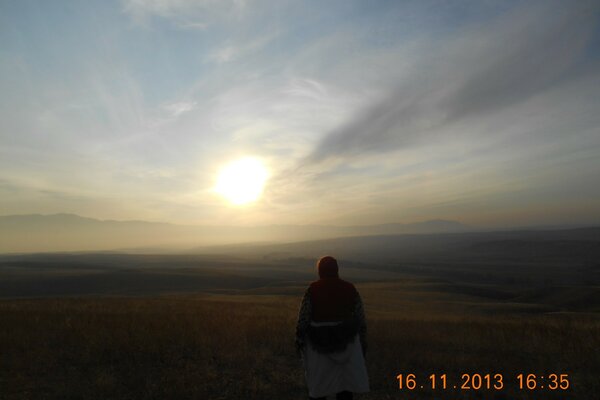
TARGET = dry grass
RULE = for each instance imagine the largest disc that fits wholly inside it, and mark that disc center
(241, 347)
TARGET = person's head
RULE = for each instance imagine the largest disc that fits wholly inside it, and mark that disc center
(327, 267)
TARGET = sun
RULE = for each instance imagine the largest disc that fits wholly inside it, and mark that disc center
(242, 181)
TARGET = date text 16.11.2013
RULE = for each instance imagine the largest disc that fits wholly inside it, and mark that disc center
(493, 381)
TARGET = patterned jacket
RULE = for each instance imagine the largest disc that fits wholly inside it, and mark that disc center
(330, 339)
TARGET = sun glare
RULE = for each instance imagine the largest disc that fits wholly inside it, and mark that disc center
(242, 181)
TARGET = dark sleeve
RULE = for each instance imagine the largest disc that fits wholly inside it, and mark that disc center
(359, 314)
(303, 320)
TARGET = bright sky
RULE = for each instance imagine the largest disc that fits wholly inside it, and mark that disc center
(362, 112)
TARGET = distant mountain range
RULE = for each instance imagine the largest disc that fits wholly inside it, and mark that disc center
(576, 247)
(69, 232)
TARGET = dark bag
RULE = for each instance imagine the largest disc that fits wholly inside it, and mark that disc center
(334, 338)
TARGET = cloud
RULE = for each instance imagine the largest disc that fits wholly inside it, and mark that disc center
(481, 71)
(186, 14)
(176, 109)
(403, 111)
(231, 52)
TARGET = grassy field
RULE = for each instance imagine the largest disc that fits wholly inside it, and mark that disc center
(214, 346)
(221, 325)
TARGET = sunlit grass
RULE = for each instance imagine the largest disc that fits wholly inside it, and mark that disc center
(241, 347)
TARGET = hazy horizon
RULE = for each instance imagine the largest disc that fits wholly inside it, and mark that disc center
(260, 113)
(32, 233)
(589, 223)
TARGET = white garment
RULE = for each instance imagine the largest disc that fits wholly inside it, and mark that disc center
(328, 374)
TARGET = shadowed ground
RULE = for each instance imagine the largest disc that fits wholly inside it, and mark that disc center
(241, 347)
(123, 326)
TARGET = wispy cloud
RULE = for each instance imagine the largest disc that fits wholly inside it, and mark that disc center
(176, 109)
(483, 70)
(231, 52)
(364, 113)
(187, 14)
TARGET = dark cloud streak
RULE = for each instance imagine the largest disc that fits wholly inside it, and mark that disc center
(482, 71)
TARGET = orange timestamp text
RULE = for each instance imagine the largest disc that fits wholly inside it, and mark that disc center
(488, 381)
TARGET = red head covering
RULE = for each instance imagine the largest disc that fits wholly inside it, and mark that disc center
(332, 298)
(327, 267)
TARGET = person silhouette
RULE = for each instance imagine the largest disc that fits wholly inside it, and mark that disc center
(331, 336)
